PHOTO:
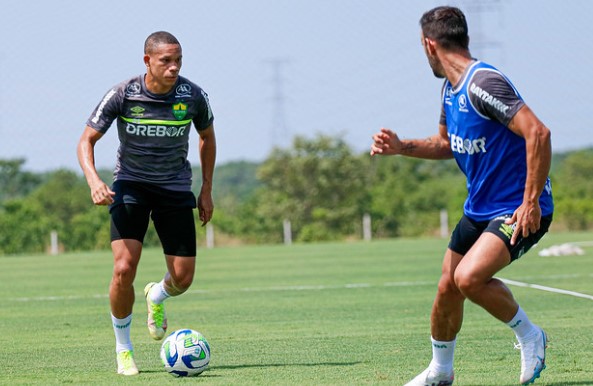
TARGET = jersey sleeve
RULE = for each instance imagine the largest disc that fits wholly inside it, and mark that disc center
(493, 96)
(106, 111)
(204, 117)
(443, 116)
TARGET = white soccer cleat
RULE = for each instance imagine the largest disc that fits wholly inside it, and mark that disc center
(126, 364)
(533, 357)
(157, 319)
(431, 378)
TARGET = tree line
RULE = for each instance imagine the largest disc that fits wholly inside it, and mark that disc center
(320, 185)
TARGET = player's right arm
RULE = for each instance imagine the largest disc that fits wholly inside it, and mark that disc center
(101, 194)
(387, 142)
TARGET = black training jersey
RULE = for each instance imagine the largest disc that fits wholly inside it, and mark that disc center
(153, 130)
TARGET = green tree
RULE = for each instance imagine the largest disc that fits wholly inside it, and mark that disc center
(23, 227)
(58, 204)
(407, 195)
(234, 184)
(14, 181)
(573, 190)
(318, 184)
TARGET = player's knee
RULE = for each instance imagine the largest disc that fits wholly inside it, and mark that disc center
(124, 273)
(467, 284)
(180, 283)
(447, 287)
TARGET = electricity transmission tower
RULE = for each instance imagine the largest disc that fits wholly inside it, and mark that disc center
(279, 133)
(484, 18)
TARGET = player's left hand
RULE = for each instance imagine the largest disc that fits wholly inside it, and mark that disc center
(527, 219)
(205, 207)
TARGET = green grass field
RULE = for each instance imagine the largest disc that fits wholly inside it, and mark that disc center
(319, 314)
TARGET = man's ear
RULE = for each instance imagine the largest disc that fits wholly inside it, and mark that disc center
(430, 46)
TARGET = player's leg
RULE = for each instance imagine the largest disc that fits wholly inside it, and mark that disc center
(126, 255)
(180, 274)
(128, 226)
(474, 277)
(492, 252)
(447, 310)
(176, 230)
(445, 322)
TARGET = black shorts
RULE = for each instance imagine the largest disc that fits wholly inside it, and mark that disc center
(171, 213)
(468, 231)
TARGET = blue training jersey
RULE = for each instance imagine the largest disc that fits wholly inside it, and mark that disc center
(493, 158)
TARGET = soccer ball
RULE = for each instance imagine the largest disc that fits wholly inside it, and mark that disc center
(185, 353)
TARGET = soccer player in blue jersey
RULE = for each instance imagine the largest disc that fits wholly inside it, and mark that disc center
(505, 152)
(152, 179)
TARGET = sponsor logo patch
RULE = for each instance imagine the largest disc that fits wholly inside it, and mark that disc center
(466, 145)
(489, 99)
(137, 111)
(463, 103)
(155, 130)
(507, 230)
(133, 89)
(207, 104)
(99, 112)
(183, 91)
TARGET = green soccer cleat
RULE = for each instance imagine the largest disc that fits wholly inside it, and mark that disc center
(157, 320)
(126, 364)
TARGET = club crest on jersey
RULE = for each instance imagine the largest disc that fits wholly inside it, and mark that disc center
(179, 110)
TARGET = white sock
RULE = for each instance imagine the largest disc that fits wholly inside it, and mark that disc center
(522, 326)
(121, 327)
(442, 355)
(157, 293)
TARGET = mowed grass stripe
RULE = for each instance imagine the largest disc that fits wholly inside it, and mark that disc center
(320, 314)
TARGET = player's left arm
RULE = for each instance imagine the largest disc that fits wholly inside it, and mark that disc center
(539, 157)
(207, 150)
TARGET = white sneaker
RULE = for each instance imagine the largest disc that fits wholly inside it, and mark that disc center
(533, 357)
(126, 364)
(432, 378)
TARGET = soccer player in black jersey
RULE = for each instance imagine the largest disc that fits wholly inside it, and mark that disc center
(154, 113)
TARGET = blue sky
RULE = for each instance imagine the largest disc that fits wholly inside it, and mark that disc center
(348, 68)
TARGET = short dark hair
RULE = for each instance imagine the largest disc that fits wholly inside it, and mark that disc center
(159, 37)
(447, 26)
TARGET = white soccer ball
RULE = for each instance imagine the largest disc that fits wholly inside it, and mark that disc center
(185, 353)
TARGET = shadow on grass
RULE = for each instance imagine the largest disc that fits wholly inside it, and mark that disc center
(264, 365)
(588, 383)
(208, 374)
(542, 383)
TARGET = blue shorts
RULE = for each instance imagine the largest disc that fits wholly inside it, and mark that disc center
(171, 212)
(468, 231)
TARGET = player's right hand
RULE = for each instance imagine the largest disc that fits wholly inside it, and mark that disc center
(102, 194)
(386, 142)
